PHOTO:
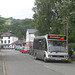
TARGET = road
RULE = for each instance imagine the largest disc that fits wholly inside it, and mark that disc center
(16, 63)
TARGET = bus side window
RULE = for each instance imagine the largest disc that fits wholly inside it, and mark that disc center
(39, 44)
(35, 46)
(42, 44)
(45, 46)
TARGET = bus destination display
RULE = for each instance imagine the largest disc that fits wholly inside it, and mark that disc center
(57, 37)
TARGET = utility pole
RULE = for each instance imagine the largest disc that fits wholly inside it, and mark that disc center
(64, 29)
(67, 35)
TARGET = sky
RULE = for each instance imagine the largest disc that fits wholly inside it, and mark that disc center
(18, 9)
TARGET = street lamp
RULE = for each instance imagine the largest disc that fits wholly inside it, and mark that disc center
(67, 35)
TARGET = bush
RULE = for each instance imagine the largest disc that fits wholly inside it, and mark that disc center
(71, 45)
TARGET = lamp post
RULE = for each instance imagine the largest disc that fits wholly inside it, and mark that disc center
(67, 36)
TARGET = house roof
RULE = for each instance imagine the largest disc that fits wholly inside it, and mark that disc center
(31, 31)
(8, 34)
(19, 42)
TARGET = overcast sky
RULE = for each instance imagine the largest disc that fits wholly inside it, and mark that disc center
(18, 9)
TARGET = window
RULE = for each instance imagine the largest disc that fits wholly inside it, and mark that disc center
(2, 42)
(8, 41)
(5, 41)
(40, 44)
(9, 37)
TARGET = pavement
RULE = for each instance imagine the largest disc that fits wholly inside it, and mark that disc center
(1, 64)
(73, 61)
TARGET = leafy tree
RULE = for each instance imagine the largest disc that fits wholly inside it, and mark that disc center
(56, 14)
(42, 16)
(66, 11)
(19, 28)
(2, 23)
(45, 17)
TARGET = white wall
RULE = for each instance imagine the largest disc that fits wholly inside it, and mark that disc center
(29, 37)
(5, 38)
(32, 37)
(12, 40)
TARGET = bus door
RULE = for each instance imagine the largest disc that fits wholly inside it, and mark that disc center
(41, 48)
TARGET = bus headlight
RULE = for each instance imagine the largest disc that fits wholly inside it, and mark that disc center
(49, 55)
(66, 59)
(66, 56)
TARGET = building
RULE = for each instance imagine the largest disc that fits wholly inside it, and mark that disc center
(8, 22)
(19, 43)
(30, 34)
(8, 39)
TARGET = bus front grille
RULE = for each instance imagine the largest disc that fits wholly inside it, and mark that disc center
(58, 56)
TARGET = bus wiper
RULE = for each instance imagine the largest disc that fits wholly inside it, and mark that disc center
(56, 51)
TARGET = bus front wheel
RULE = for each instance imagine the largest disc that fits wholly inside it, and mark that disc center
(44, 58)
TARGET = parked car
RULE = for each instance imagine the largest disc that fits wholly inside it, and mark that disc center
(24, 49)
(17, 48)
(31, 50)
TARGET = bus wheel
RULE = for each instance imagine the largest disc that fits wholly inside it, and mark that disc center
(35, 56)
(44, 58)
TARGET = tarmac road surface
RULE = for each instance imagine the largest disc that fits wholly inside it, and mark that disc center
(16, 63)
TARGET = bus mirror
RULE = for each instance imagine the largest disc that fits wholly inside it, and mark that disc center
(40, 41)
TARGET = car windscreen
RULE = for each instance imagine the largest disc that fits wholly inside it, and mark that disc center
(21, 47)
(26, 47)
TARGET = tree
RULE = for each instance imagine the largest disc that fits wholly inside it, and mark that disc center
(46, 16)
(56, 14)
(19, 27)
(43, 15)
(66, 11)
(2, 22)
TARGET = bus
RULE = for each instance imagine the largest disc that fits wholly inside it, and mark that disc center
(51, 47)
